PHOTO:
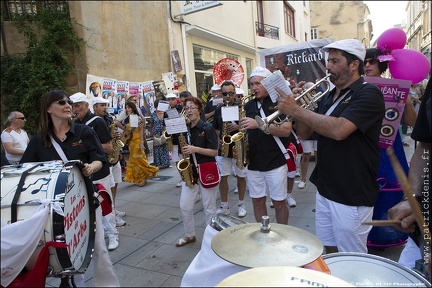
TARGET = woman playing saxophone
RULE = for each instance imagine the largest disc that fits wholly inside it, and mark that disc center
(202, 145)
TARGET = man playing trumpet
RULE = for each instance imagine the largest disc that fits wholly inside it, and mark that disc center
(225, 159)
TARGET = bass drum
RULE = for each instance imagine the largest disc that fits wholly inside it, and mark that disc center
(65, 184)
(366, 270)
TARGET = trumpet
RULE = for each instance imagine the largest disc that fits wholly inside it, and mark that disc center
(306, 100)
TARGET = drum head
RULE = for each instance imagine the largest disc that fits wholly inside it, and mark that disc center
(366, 270)
(78, 223)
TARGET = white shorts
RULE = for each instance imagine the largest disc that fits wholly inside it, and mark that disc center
(340, 225)
(291, 174)
(309, 145)
(106, 183)
(227, 166)
(175, 154)
(115, 175)
(262, 183)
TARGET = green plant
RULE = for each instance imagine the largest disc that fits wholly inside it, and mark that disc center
(52, 49)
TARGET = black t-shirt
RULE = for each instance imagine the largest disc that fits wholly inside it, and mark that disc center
(102, 131)
(209, 107)
(218, 125)
(264, 153)
(347, 170)
(422, 128)
(81, 143)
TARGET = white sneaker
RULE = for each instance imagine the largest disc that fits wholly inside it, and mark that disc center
(179, 184)
(120, 213)
(271, 204)
(198, 198)
(291, 201)
(224, 210)
(301, 185)
(241, 210)
(297, 174)
(113, 243)
(119, 222)
(236, 190)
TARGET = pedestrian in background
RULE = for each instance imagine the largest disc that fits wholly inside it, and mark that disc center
(15, 138)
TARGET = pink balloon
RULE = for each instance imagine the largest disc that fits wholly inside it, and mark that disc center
(391, 39)
(409, 65)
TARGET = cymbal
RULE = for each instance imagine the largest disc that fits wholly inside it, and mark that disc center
(283, 245)
(282, 276)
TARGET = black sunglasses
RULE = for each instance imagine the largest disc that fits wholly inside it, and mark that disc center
(22, 118)
(228, 93)
(63, 102)
(372, 61)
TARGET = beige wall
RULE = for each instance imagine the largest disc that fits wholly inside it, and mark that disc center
(341, 20)
(126, 40)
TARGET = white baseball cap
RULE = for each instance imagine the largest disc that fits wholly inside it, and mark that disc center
(170, 95)
(260, 71)
(239, 91)
(216, 87)
(351, 46)
(97, 100)
(78, 97)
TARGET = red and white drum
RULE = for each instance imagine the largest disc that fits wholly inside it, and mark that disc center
(65, 184)
(366, 270)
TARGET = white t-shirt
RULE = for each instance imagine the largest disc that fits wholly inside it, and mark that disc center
(19, 140)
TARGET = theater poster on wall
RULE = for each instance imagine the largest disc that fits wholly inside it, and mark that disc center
(396, 93)
(109, 91)
(122, 93)
(93, 88)
(149, 95)
(298, 62)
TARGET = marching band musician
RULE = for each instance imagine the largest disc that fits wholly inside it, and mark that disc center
(267, 164)
(210, 107)
(78, 142)
(227, 163)
(83, 115)
(115, 176)
(203, 145)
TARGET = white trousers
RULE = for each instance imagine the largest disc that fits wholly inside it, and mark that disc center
(187, 201)
(110, 218)
(104, 275)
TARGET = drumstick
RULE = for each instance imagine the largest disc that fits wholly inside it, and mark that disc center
(406, 187)
(382, 222)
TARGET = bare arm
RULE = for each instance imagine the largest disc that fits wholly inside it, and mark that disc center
(409, 115)
(189, 149)
(11, 150)
(107, 147)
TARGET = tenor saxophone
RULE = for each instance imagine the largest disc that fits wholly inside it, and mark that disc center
(226, 140)
(116, 143)
(240, 148)
(184, 166)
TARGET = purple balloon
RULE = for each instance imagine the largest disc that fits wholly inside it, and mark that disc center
(391, 39)
(409, 65)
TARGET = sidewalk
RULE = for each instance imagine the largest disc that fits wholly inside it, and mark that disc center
(147, 255)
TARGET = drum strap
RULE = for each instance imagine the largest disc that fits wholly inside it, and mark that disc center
(14, 205)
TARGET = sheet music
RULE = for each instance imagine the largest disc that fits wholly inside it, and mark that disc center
(163, 106)
(217, 101)
(230, 113)
(133, 120)
(176, 125)
(172, 113)
(276, 80)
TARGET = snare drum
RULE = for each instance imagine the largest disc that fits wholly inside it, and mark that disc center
(221, 221)
(74, 193)
(366, 270)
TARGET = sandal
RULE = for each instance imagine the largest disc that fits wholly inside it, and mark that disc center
(184, 241)
(142, 183)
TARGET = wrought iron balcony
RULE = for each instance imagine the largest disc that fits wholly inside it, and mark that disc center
(265, 30)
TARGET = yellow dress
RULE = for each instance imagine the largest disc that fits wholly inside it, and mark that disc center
(138, 169)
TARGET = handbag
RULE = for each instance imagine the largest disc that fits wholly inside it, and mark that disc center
(158, 140)
(208, 174)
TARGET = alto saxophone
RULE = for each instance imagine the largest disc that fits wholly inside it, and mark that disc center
(240, 148)
(226, 140)
(167, 139)
(184, 166)
(116, 143)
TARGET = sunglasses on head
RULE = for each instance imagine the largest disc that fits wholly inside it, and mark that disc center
(371, 61)
(63, 102)
(228, 93)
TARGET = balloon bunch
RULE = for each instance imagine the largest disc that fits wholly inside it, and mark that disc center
(405, 64)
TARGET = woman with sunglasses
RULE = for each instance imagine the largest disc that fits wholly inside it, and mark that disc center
(202, 144)
(78, 142)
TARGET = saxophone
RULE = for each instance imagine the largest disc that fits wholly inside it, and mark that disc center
(165, 137)
(240, 142)
(184, 166)
(116, 143)
(226, 140)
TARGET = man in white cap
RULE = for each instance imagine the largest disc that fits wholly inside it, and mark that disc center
(80, 108)
(210, 107)
(267, 169)
(99, 107)
(348, 123)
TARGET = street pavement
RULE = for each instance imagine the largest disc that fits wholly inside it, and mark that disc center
(147, 255)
